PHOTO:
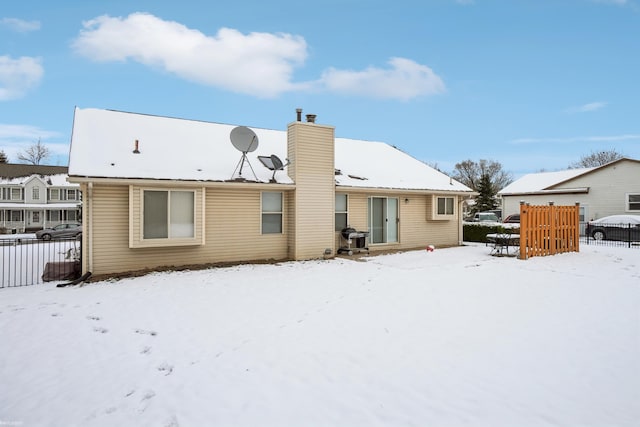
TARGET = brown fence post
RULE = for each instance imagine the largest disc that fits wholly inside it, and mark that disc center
(523, 230)
(553, 229)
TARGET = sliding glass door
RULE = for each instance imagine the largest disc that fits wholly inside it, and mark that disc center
(383, 219)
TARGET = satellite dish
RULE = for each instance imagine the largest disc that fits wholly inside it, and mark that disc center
(244, 139)
(273, 163)
(277, 163)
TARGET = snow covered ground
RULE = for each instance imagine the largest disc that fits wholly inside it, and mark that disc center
(449, 338)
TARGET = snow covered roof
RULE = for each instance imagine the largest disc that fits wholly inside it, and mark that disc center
(379, 165)
(538, 182)
(57, 180)
(103, 143)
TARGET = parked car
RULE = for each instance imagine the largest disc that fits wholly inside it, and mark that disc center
(485, 217)
(615, 227)
(60, 231)
(515, 218)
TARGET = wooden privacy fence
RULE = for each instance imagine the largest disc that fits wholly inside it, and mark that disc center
(549, 230)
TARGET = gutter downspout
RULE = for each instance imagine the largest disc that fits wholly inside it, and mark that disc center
(88, 214)
(461, 201)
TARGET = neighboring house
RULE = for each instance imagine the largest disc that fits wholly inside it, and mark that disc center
(610, 189)
(162, 191)
(33, 197)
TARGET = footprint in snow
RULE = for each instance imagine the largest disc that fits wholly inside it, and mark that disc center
(101, 330)
(145, 332)
(146, 400)
(166, 368)
(56, 315)
(172, 422)
(145, 350)
(96, 318)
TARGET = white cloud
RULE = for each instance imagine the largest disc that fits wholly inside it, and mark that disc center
(586, 108)
(20, 25)
(616, 2)
(22, 132)
(15, 139)
(17, 76)
(405, 79)
(571, 140)
(259, 64)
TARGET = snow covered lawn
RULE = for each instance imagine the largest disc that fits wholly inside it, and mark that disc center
(449, 338)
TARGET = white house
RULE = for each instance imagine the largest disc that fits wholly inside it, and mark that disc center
(606, 190)
(33, 197)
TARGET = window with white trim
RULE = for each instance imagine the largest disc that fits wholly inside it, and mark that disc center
(71, 194)
(55, 215)
(16, 216)
(342, 219)
(16, 194)
(54, 194)
(35, 193)
(633, 202)
(445, 206)
(168, 214)
(271, 213)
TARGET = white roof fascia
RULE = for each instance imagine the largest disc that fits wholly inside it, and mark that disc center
(578, 190)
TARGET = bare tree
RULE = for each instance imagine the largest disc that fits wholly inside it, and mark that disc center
(3, 157)
(35, 153)
(470, 173)
(596, 158)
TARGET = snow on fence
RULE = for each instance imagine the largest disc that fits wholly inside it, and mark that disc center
(549, 229)
(24, 259)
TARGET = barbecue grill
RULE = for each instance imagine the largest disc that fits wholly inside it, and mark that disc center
(353, 240)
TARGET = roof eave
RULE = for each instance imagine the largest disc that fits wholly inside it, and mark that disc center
(181, 182)
(581, 190)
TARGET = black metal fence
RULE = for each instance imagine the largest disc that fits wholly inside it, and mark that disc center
(617, 235)
(29, 261)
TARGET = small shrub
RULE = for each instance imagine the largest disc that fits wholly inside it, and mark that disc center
(478, 232)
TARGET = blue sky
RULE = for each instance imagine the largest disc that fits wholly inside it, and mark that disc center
(533, 84)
